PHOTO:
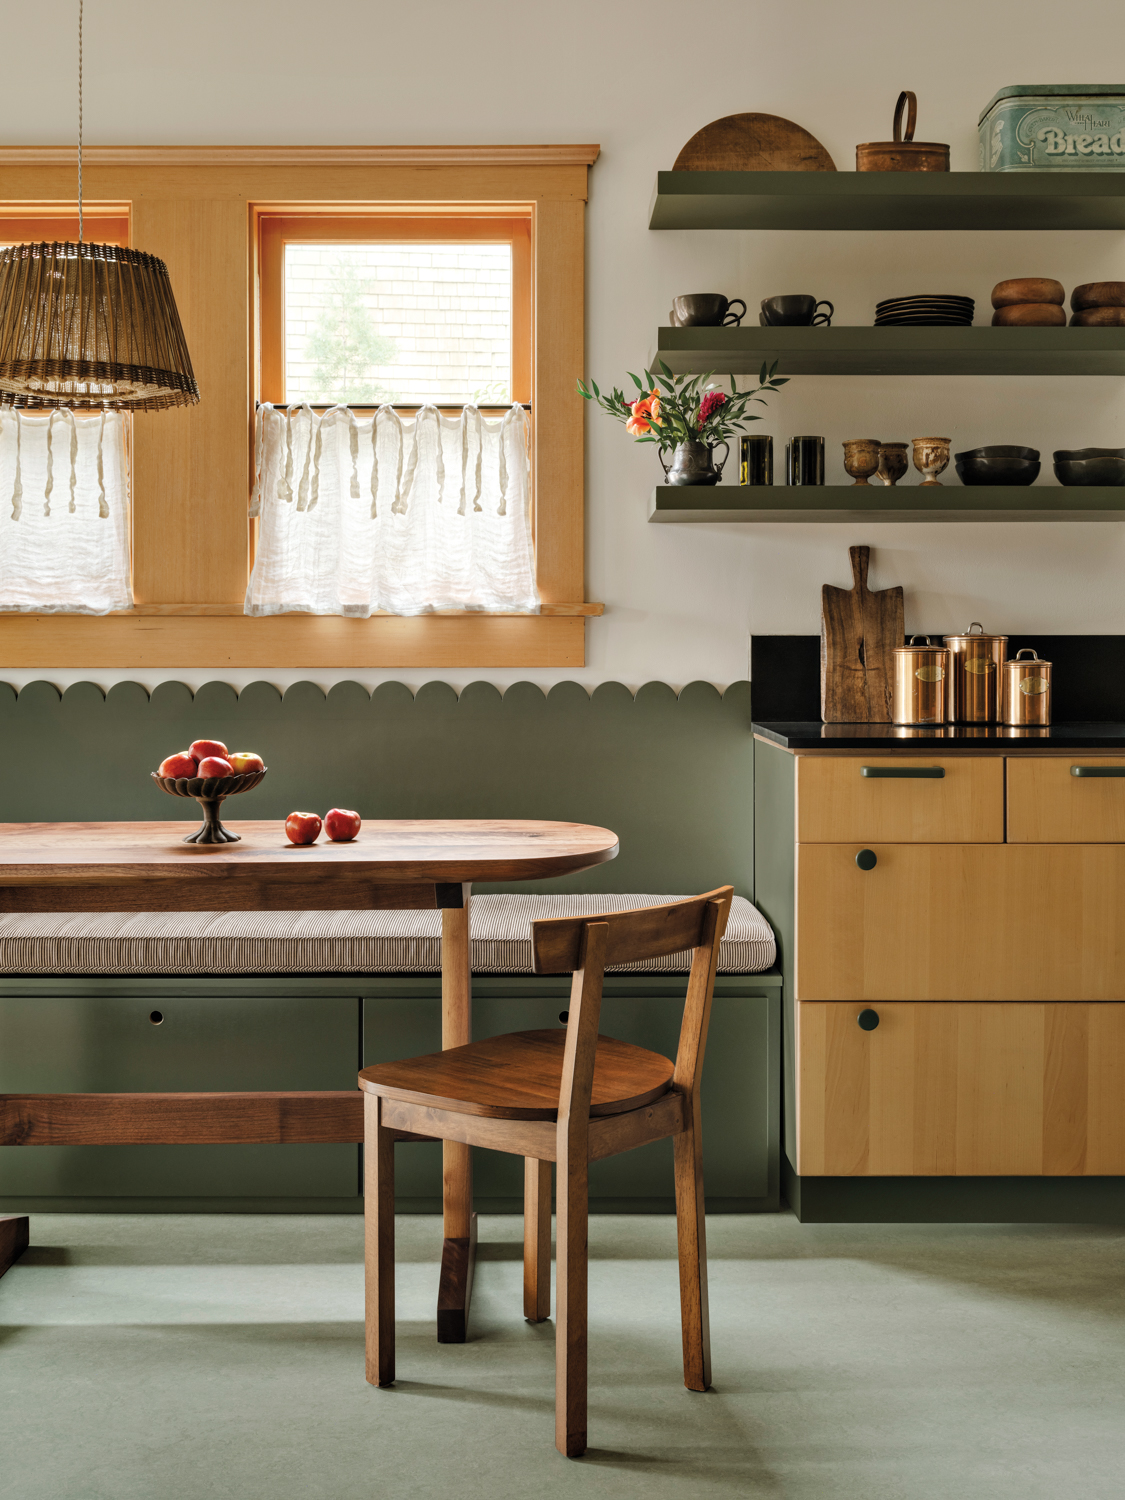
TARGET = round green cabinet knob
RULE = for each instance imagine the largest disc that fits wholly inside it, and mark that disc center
(866, 859)
(868, 1020)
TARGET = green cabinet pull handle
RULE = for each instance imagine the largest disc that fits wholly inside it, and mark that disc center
(905, 773)
(866, 859)
(868, 1020)
(1097, 770)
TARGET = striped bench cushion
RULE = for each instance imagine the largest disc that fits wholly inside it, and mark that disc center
(330, 942)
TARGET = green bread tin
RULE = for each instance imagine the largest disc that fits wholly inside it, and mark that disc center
(1043, 127)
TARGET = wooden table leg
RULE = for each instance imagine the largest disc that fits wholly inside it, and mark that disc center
(14, 1238)
(455, 1287)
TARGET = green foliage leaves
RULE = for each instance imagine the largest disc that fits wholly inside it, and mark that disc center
(679, 418)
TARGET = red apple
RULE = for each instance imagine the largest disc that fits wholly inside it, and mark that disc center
(246, 760)
(340, 825)
(180, 764)
(214, 765)
(201, 749)
(302, 828)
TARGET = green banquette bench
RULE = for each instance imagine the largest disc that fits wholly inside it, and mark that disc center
(228, 1001)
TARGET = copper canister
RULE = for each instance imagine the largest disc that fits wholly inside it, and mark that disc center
(975, 662)
(921, 683)
(1027, 689)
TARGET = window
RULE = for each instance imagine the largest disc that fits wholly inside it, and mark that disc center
(415, 310)
(64, 476)
(408, 509)
(199, 210)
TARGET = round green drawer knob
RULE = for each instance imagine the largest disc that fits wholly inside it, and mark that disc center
(866, 859)
(868, 1020)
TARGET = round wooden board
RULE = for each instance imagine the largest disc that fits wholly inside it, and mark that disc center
(753, 143)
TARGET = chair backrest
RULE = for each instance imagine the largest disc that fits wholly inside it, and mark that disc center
(585, 946)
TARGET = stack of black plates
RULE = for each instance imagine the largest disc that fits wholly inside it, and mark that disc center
(924, 312)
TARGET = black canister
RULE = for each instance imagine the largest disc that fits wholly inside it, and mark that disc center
(755, 460)
(804, 460)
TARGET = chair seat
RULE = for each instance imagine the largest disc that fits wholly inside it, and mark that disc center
(518, 1077)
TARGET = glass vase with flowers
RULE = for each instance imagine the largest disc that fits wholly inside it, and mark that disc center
(687, 416)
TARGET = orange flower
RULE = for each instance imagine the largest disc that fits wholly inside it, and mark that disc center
(646, 415)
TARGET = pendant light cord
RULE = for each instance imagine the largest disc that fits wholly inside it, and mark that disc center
(80, 2)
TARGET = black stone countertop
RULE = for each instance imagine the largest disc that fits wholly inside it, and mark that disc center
(812, 735)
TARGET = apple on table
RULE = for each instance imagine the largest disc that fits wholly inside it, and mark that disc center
(341, 825)
(302, 827)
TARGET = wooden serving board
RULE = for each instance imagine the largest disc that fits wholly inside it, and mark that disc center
(753, 143)
(858, 633)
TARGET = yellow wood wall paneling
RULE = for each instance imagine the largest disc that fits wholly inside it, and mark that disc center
(1047, 805)
(191, 206)
(143, 641)
(190, 464)
(836, 802)
(961, 922)
(961, 1089)
(559, 409)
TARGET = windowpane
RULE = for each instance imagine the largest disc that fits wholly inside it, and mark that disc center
(399, 322)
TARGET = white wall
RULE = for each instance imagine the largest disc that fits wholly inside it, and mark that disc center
(680, 601)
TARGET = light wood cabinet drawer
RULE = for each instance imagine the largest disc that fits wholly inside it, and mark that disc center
(1049, 804)
(961, 1090)
(961, 922)
(900, 798)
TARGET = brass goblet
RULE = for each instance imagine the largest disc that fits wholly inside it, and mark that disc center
(861, 458)
(931, 457)
(893, 462)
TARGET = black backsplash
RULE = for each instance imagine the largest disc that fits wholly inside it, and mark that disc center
(1087, 678)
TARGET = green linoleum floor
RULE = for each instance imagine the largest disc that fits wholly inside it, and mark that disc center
(184, 1357)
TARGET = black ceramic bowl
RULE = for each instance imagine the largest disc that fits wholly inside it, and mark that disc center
(1090, 466)
(1003, 463)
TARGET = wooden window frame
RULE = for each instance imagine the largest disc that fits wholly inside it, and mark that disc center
(448, 223)
(196, 208)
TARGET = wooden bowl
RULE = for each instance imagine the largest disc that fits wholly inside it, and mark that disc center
(210, 792)
(1098, 317)
(1030, 315)
(1023, 289)
(1098, 294)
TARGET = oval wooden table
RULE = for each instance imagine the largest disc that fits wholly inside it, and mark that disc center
(413, 864)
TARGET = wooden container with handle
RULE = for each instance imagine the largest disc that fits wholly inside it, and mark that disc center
(904, 153)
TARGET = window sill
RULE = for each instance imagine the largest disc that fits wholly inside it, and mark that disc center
(159, 637)
(554, 611)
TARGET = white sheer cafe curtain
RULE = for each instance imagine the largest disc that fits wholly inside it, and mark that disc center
(64, 512)
(390, 513)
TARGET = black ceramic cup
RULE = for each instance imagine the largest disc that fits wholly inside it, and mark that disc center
(804, 460)
(706, 310)
(795, 312)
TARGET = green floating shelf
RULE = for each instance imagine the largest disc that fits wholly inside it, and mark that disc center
(847, 502)
(895, 351)
(889, 200)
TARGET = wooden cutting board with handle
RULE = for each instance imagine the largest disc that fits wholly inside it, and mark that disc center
(753, 143)
(858, 633)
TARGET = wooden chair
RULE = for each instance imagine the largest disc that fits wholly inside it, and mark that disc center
(565, 1096)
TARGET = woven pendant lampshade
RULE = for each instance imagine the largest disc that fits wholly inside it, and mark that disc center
(90, 328)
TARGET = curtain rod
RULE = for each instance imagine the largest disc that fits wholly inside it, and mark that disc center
(398, 405)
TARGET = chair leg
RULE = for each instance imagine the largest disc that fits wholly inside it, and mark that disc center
(536, 1239)
(692, 1237)
(572, 1209)
(379, 1242)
